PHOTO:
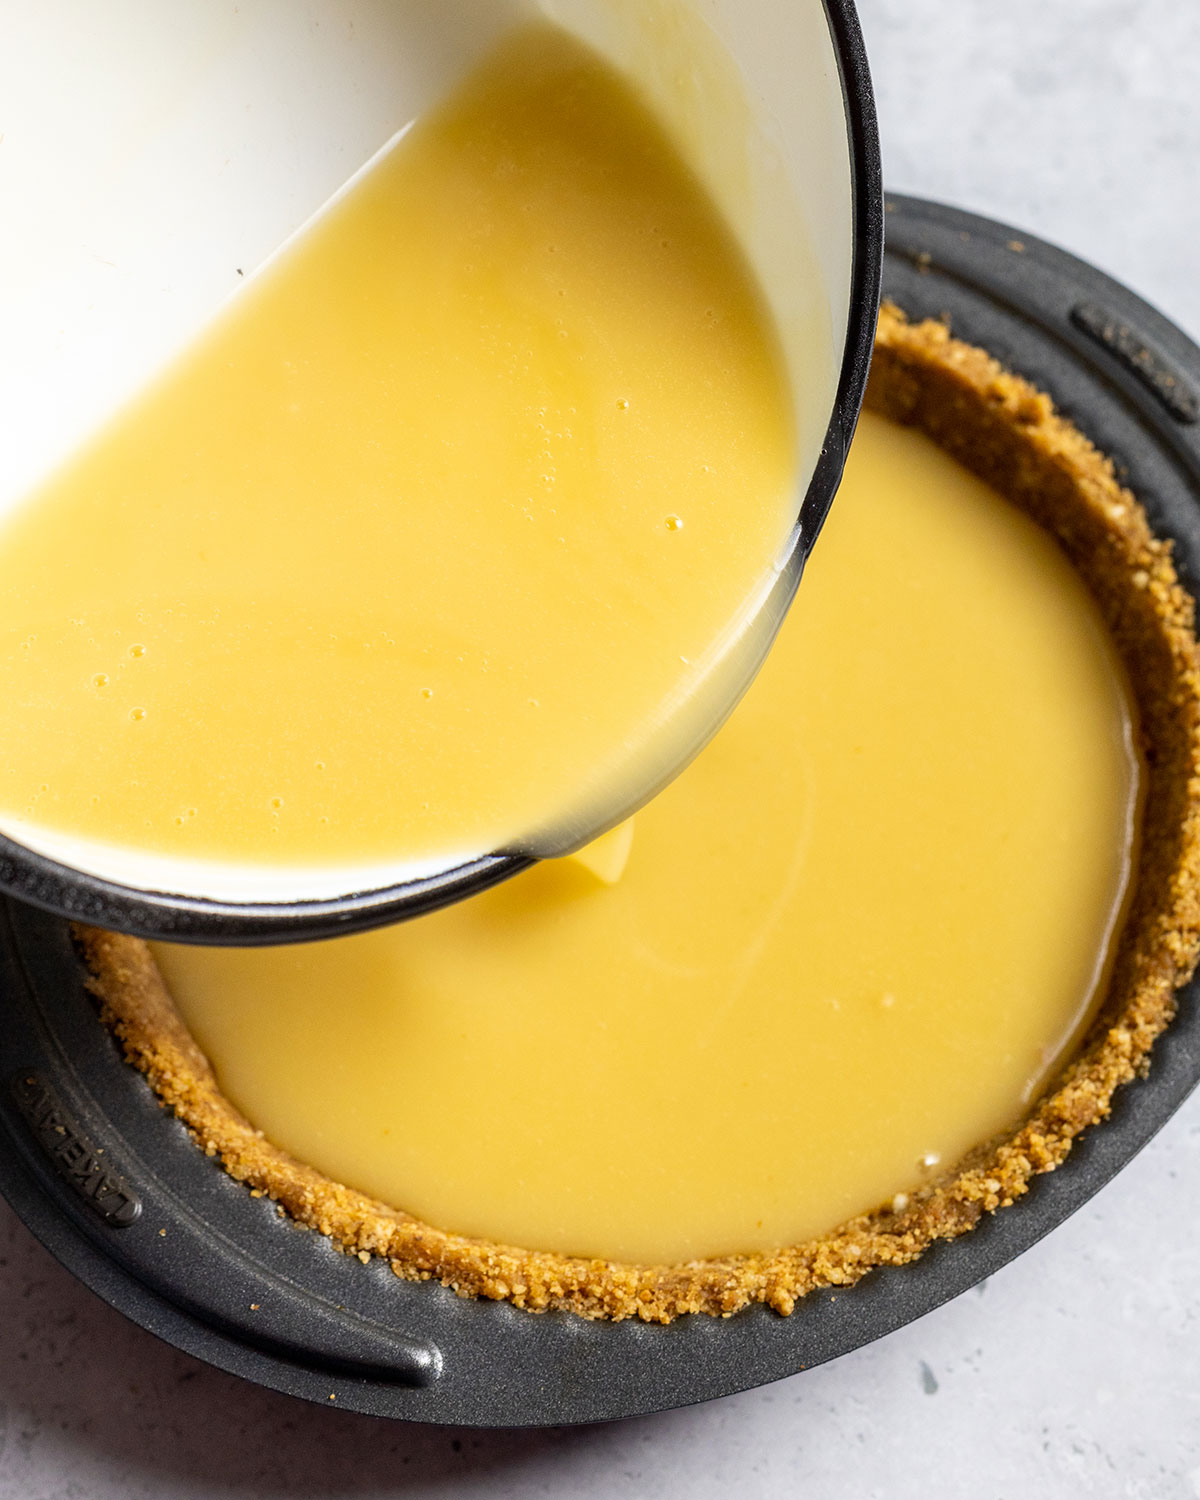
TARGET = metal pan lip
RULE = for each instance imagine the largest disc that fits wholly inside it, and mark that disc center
(500, 1367)
(39, 881)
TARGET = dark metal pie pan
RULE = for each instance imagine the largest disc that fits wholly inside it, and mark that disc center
(115, 1188)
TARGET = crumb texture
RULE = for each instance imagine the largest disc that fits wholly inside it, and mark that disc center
(1009, 434)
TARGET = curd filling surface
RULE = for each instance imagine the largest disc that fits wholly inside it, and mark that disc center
(848, 944)
(458, 503)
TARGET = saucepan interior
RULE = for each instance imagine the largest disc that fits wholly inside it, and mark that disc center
(178, 148)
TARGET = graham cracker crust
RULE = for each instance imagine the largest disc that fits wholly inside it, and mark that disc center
(1009, 434)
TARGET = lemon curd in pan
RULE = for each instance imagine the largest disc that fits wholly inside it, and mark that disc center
(455, 511)
(871, 962)
(853, 938)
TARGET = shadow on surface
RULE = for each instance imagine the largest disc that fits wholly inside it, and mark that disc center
(78, 1379)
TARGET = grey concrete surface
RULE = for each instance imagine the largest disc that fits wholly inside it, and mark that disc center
(1074, 1372)
(1076, 119)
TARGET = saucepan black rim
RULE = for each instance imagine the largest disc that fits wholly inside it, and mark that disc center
(84, 1149)
(46, 883)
